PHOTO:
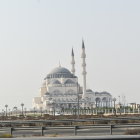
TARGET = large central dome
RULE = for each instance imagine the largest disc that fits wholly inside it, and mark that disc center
(60, 72)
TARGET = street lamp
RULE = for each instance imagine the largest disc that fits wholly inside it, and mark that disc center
(114, 100)
(15, 108)
(6, 109)
(22, 108)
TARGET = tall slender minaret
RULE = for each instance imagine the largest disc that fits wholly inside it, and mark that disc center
(73, 62)
(83, 56)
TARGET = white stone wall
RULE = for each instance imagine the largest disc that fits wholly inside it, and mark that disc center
(43, 90)
(36, 102)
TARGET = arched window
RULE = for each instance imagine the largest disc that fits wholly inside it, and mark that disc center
(56, 92)
(98, 101)
(104, 102)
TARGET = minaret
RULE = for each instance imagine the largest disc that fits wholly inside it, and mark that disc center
(83, 56)
(73, 62)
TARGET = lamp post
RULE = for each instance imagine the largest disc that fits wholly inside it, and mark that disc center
(53, 104)
(15, 108)
(34, 111)
(22, 108)
(25, 111)
(114, 100)
(3, 112)
(6, 109)
(74, 107)
(9, 112)
(41, 111)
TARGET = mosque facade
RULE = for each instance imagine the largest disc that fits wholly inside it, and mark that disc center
(61, 90)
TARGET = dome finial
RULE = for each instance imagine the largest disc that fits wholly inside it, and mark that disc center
(59, 64)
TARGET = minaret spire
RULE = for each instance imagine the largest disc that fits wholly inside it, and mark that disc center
(83, 56)
(83, 45)
(59, 64)
(73, 62)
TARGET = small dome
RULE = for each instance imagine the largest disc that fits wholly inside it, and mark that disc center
(55, 82)
(102, 93)
(60, 72)
(47, 93)
(89, 90)
(69, 81)
(105, 93)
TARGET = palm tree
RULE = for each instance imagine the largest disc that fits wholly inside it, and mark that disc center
(25, 111)
(9, 112)
(15, 108)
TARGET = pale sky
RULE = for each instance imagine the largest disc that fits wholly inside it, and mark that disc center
(36, 34)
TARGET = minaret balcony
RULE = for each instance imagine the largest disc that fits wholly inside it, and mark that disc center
(73, 62)
(84, 72)
(83, 55)
(84, 65)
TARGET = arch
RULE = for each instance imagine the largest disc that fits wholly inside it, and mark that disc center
(55, 82)
(56, 92)
(98, 101)
(69, 81)
(89, 90)
(104, 101)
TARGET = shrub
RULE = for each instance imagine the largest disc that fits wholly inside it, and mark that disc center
(5, 136)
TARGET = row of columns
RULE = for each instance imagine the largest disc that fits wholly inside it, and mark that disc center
(103, 111)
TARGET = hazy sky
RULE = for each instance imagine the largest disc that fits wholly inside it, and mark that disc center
(36, 34)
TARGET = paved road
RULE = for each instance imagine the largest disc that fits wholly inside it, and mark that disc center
(121, 137)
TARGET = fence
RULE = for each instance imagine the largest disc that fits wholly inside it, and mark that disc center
(74, 128)
(106, 111)
(68, 120)
(94, 111)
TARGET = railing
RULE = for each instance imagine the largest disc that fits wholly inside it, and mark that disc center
(74, 128)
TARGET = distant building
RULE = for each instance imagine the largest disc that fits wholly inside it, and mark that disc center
(61, 90)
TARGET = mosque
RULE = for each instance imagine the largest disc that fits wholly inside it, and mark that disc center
(61, 90)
